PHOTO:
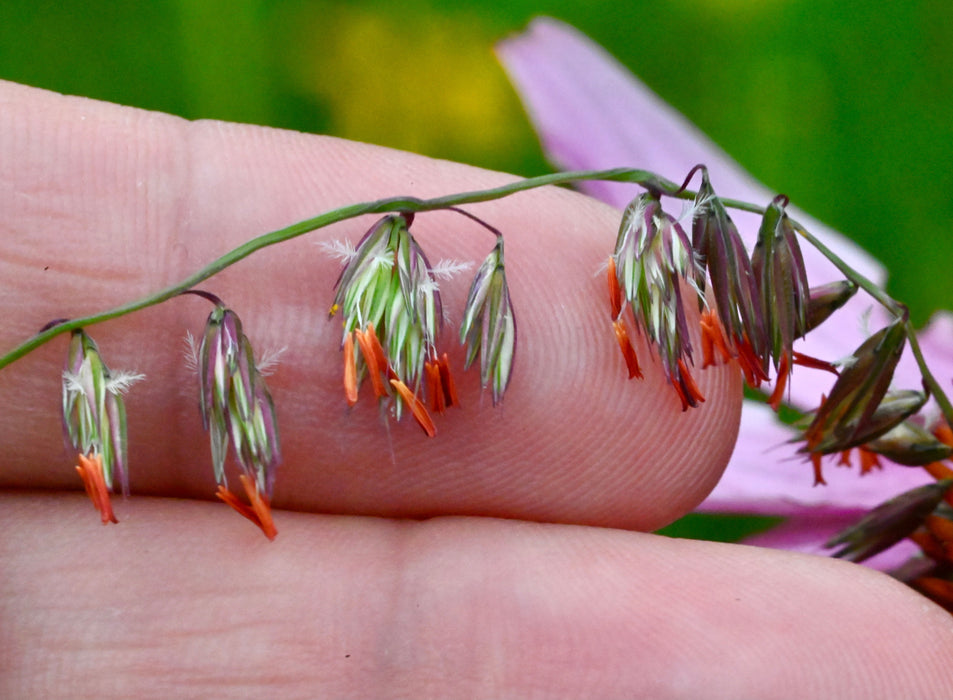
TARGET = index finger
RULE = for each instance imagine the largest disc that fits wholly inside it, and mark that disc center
(103, 204)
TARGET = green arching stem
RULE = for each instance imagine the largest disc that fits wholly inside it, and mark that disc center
(643, 178)
(381, 206)
(852, 275)
(929, 380)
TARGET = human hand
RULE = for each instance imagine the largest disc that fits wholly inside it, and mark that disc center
(539, 589)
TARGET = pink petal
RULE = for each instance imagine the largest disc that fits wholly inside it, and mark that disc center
(767, 476)
(592, 113)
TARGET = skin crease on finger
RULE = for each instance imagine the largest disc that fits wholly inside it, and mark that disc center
(184, 600)
(104, 204)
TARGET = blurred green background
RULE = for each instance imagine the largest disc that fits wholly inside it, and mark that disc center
(845, 105)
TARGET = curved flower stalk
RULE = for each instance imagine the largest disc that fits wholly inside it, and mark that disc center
(94, 420)
(237, 409)
(590, 112)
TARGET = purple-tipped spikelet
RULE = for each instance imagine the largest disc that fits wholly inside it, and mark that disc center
(651, 260)
(859, 408)
(782, 284)
(237, 409)
(488, 328)
(94, 420)
(736, 329)
(390, 304)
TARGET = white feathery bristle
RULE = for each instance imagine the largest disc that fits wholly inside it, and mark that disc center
(268, 362)
(448, 269)
(191, 351)
(120, 381)
(72, 382)
(338, 249)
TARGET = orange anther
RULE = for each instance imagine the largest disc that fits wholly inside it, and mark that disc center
(818, 475)
(751, 365)
(260, 510)
(376, 346)
(615, 291)
(90, 470)
(372, 359)
(780, 383)
(628, 352)
(446, 381)
(350, 370)
(713, 337)
(685, 387)
(415, 406)
(434, 389)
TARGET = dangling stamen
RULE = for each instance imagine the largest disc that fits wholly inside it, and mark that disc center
(713, 337)
(416, 407)
(780, 383)
(615, 291)
(813, 363)
(818, 475)
(372, 356)
(260, 510)
(440, 386)
(90, 470)
(628, 352)
(350, 370)
(686, 388)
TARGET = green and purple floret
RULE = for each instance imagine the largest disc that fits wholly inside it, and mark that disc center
(781, 278)
(388, 297)
(652, 259)
(488, 328)
(237, 409)
(389, 301)
(94, 420)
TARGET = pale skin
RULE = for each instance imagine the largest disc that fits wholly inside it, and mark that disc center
(499, 559)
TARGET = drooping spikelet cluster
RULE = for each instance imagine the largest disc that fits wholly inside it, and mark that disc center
(762, 301)
(237, 409)
(389, 300)
(94, 420)
(763, 304)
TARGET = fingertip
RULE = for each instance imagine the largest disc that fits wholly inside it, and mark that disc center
(572, 441)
